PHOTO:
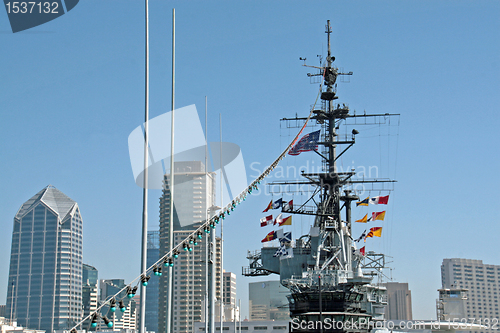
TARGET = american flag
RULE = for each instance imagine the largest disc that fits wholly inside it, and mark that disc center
(308, 142)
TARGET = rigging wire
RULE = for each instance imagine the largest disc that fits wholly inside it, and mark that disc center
(395, 177)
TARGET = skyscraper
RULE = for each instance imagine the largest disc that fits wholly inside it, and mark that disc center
(398, 301)
(229, 289)
(194, 194)
(153, 255)
(89, 291)
(45, 277)
(482, 282)
(231, 310)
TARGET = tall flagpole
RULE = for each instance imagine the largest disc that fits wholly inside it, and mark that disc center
(171, 213)
(239, 315)
(212, 274)
(221, 229)
(144, 249)
(207, 200)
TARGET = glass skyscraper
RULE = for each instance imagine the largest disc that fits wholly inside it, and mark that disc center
(194, 194)
(45, 277)
(89, 291)
(153, 254)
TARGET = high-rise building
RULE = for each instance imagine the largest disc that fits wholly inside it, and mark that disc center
(267, 301)
(229, 288)
(153, 254)
(482, 285)
(45, 277)
(231, 309)
(194, 195)
(121, 320)
(89, 291)
(398, 301)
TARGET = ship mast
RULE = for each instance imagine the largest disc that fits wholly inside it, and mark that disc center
(324, 274)
(330, 75)
(335, 233)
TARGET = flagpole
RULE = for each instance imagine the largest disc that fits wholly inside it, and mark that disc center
(171, 187)
(320, 303)
(221, 229)
(145, 185)
(207, 203)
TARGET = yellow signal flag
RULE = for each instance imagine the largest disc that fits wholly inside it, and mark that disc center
(364, 219)
(376, 231)
(286, 221)
(378, 216)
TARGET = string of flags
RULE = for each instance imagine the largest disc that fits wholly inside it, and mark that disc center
(378, 200)
(284, 250)
(374, 232)
(268, 220)
(284, 237)
(375, 216)
(279, 204)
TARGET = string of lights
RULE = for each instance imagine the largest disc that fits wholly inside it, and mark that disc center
(187, 244)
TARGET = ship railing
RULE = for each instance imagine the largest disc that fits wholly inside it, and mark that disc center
(377, 298)
(329, 277)
(254, 271)
(253, 255)
(306, 209)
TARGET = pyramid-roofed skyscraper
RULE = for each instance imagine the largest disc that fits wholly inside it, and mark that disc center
(45, 277)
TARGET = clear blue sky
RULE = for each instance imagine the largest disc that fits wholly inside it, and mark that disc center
(72, 90)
